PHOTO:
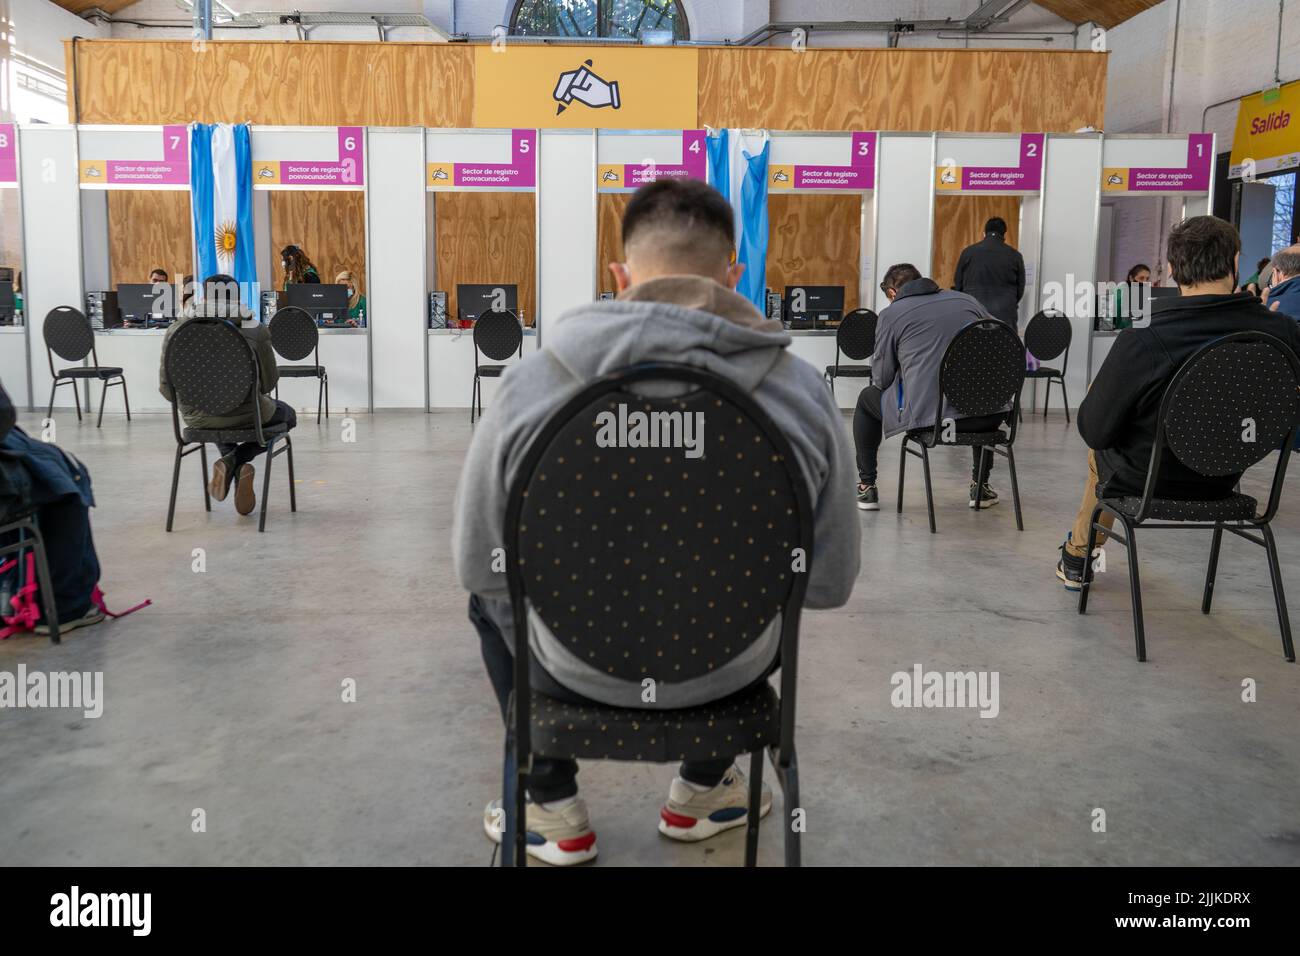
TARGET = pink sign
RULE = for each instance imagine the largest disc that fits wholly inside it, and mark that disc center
(1195, 177)
(1025, 177)
(172, 170)
(694, 164)
(8, 154)
(519, 173)
(348, 170)
(859, 174)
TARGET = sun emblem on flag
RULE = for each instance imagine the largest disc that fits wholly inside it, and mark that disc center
(226, 241)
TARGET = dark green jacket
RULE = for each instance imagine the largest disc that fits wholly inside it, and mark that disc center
(259, 336)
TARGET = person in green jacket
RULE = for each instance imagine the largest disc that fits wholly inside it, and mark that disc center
(221, 299)
(297, 267)
(356, 301)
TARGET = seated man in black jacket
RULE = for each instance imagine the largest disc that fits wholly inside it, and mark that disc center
(1118, 417)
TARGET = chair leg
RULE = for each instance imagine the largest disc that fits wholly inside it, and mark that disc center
(203, 461)
(293, 494)
(902, 473)
(979, 470)
(1087, 560)
(1208, 595)
(1135, 586)
(49, 412)
(755, 803)
(327, 397)
(1065, 399)
(176, 477)
(320, 390)
(929, 491)
(473, 394)
(76, 397)
(103, 399)
(126, 399)
(790, 797)
(266, 484)
(1015, 487)
(1279, 596)
(46, 583)
(1047, 395)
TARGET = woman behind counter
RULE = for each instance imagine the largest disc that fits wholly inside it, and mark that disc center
(297, 267)
(356, 301)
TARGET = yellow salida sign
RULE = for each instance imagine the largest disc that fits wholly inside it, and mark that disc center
(1268, 132)
(575, 87)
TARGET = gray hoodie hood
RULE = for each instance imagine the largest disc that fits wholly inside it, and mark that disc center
(685, 320)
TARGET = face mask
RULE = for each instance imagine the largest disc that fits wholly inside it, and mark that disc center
(351, 293)
(285, 264)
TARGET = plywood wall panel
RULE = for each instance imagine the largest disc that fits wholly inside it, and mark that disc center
(329, 226)
(273, 83)
(486, 237)
(815, 240)
(959, 221)
(148, 229)
(609, 236)
(954, 90)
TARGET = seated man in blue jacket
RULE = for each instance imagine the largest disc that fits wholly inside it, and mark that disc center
(1283, 292)
(1118, 417)
(911, 338)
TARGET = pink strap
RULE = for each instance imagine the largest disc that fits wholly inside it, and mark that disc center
(97, 599)
(26, 611)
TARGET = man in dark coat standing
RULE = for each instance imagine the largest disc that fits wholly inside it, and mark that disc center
(993, 273)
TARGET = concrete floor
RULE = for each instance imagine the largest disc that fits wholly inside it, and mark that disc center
(225, 694)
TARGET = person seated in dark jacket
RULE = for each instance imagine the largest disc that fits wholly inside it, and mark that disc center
(1118, 417)
(221, 299)
(994, 273)
(912, 335)
(1283, 292)
(39, 475)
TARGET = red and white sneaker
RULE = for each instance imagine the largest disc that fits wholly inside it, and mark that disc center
(691, 815)
(561, 836)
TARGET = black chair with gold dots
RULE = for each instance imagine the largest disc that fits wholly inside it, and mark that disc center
(211, 367)
(651, 565)
(982, 373)
(1230, 406)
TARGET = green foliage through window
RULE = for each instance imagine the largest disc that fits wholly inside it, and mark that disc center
(617, 19)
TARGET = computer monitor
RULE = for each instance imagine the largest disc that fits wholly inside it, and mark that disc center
(475, 299)
(327, 303)
(6, 274)
(146, 303)
(813, 305)
(6, 302)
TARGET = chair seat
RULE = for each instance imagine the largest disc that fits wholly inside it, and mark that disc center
(90, 371)
(925, 436)
(741, 723)
(1043, 372)
(855, 371)
(491, 371)
(232, 435)
(301, 371)
(1232, 508)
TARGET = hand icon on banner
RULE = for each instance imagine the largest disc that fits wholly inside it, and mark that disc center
(949, 176)
(780, 177)
(610, 176)
(440, 174)
(585, 87)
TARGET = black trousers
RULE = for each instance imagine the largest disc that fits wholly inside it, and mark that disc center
(868, 432)
(243, 453)
(554, 778)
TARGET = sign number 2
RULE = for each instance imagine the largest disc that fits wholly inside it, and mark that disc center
(1032, 150)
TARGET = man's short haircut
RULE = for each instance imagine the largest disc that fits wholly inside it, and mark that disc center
(899, 275)
(159, 272)
(1287, 262)
(1203, 249)
(684, 217)
(221, 297)
(997, 226)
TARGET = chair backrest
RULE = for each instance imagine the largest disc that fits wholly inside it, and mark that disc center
(656, 537)
(1048, 334)
(294, 335)
(210, 366)
(68, 333)
(856, 337)
(498, 335)
(1229, 406)
(983, 369)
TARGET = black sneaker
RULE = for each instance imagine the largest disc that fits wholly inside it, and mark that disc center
(868, 498)
(988, 497)
(1070, 570)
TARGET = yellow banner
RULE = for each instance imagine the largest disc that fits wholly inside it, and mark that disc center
(576, 87)
(1268, 132)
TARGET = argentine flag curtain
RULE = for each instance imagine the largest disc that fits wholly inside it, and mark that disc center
(738, 170)
(221, 187)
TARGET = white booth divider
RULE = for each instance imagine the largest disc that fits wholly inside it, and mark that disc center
(14, 354)
(51, 239)
(904, 230)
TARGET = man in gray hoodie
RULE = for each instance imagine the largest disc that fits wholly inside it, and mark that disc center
(676, 303)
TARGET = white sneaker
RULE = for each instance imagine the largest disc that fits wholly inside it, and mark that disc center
(561, 837)
(691, 815)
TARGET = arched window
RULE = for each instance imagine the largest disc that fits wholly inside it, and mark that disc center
(616, 19)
